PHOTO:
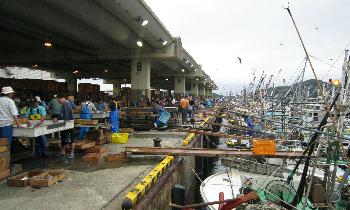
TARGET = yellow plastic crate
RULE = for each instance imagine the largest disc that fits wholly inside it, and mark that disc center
(264, 147)
(120, 138)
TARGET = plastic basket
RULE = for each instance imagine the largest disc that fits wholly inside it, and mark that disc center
(264, 147)
(164, 117)
(120, 138)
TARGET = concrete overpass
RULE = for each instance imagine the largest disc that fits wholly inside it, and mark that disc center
(121, 41)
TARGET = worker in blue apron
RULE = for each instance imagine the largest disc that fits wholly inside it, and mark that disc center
(84, 114)
(113, 116)
(36, 115)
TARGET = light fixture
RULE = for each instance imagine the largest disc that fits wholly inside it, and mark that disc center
(183, 70)
(195, 69)
(336, 83)
(47, 44)
(144, 23)
(187, 61)
(197, 79)
(139, 43)
(165, 42)
(35, 66)
(166, 79)
(106, 70)
(75, 72)
(191, 65)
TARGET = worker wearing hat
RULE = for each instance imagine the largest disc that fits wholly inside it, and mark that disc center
(8, 114)
(41, 103)
(36, 116)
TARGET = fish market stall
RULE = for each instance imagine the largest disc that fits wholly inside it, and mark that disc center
(47, 127)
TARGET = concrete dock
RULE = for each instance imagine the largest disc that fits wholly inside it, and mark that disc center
(89, 186)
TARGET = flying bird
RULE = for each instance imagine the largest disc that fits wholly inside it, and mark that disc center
(239, 59)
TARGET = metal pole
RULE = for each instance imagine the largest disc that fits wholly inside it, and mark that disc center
(312, 176)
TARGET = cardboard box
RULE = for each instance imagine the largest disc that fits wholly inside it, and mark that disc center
(23, 179)
(47, 178)
(4, 174)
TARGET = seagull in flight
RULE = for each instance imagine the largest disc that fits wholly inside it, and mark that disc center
(239, 59)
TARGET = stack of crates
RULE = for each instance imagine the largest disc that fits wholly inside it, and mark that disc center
(4, 159)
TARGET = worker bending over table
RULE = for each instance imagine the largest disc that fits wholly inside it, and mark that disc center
(86, 113)
(36, 116)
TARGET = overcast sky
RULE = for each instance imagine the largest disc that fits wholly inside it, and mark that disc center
(260, 32)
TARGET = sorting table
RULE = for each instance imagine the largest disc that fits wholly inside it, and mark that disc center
(47, 127)
(97, 115)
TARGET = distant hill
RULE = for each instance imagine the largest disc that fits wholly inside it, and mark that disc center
(310, 84)
(215, 95)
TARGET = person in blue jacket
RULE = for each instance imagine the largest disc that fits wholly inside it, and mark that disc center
(86, 113)
(113, 116)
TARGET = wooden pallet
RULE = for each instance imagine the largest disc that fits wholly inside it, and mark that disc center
(97, 149)
(126, 130)
(3, 142)
(92, 157)
(86, 122)
(4, 174)
(115, 157)
(84, 145)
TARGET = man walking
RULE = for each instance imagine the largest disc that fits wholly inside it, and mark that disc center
(67, 136)
(184, 104)
(8, 113)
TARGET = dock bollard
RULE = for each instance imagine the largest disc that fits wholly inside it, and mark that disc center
(178, 195)
(157, 141)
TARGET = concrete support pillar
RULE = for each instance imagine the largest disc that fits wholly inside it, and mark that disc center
(201, 91)
(140, 79)
(209, 92)
(180, 86)
(116, 89)
(72, 84)
(194, 89)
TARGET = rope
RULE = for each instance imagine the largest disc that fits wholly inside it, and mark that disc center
(188, 165)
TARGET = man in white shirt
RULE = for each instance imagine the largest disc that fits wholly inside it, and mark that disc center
(8, 114)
